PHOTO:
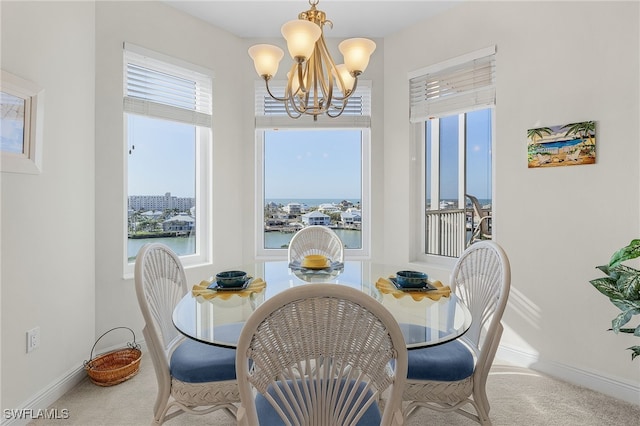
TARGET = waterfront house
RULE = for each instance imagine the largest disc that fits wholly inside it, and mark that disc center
(351, 217)
(293, 208)
(180, 223)
(557, 63)
(152, 214)
(316, 218)
(328, 208)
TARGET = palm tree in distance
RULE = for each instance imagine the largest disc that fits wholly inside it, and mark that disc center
(539, 133)
(535, 135)
(584, 130)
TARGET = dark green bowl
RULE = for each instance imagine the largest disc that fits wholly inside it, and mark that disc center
(411, 279)
(230, 279)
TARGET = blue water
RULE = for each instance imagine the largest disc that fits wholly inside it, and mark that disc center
(180, 245)
(352, 239)
(562, 144)
(273, 240)
(311, 202)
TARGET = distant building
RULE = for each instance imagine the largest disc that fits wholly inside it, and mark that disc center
(179, 223)
(152, 214)
(272, 207)
(160, 202)
(293, 208)
(328, 208)
(346, 204)
(351, 217)
(316, 218)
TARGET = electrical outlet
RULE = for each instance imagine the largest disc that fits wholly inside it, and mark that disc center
(33, 339)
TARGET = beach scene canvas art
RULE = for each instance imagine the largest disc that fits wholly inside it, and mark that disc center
(563, 145)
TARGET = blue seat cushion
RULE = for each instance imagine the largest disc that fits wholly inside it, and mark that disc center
(448, 362)
(267, 415)
(195, 362)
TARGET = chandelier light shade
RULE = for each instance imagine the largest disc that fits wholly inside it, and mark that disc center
(301, 38)
(315, 84)
(356, 53)
(266, 58)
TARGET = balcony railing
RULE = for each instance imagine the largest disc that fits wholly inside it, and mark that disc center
(448, 231)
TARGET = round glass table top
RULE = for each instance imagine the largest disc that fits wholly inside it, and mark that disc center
(216, 317)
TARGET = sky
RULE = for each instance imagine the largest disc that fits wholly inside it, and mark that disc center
(478, 155)
(313, 164)
(298, 163)
(162, 157)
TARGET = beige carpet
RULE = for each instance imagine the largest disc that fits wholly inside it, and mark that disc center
(518, 397)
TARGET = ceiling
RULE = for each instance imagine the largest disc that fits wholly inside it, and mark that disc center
(351, 18)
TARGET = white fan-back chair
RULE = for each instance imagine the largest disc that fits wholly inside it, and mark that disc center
(481, 222)
(316, 239)
(320, 355)
(192, 377)
(449, 376)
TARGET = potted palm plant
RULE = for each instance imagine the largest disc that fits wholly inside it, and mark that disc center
(622, 286)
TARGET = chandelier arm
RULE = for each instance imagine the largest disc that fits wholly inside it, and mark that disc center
(339, 109)
(295, 114)
(266, 81)
(350, 92)
(292, 108)
(313, 100)
(330, 66)
(327, 80)
(300, 74)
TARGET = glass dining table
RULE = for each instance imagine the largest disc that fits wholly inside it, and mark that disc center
(426, 317)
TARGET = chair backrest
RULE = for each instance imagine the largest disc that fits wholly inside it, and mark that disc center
(308, 338)
(160, 284)
(482, 279)
(316, 239)
(483, 224)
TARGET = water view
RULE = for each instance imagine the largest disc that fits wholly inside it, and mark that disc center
(180, 245)
(273, 240)
(351, 238)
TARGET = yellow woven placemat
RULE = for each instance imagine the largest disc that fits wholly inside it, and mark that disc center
(387, 287)
(256, 286)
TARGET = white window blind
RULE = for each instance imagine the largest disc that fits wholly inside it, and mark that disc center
(166, 90)
(272, 114)
(462, 84)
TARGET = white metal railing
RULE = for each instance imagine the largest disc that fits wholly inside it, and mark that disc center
(446, 232)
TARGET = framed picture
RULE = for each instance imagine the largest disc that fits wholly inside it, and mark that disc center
(21, 118)
(564, 145)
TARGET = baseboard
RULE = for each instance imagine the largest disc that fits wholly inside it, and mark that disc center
(36, 406)
(618, 389)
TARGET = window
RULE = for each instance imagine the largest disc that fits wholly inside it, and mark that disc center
(312, 173)
(168, 109)
(452, 109)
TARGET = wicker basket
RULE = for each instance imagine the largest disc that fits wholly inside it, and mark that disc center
(116, 366)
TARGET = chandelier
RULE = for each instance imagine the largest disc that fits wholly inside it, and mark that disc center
(315, 84)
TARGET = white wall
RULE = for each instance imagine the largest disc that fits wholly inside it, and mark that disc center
(47, 226)
(557, 63)
(158, 27)
(556, 224)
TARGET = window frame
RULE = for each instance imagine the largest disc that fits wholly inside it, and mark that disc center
(419, 174)
(365, 201)
(426, 102)
(203, 126)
